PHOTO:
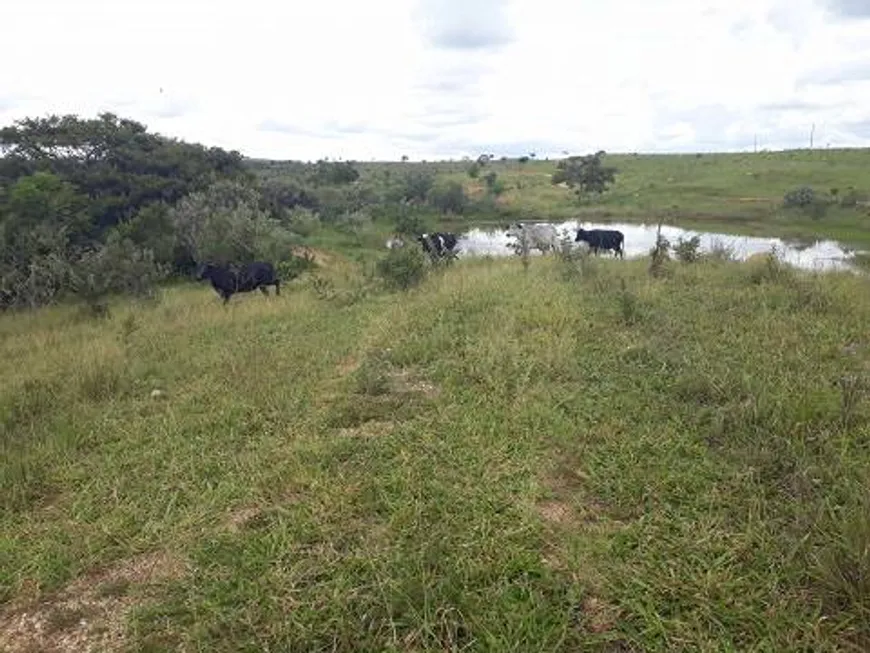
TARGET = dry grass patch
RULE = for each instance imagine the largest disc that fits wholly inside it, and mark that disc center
(90, 613)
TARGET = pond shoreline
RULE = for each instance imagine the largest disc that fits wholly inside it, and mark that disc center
(818, 254)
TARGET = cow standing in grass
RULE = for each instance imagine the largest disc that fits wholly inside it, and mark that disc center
(438, 245)
(605, 239)
(229, 279)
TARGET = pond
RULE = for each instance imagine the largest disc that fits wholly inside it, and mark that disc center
(640, 238)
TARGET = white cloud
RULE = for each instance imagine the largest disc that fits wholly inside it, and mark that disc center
(435, 78)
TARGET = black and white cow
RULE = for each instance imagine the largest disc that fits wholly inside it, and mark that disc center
(605, 239)
(230, 279)
(438, 245)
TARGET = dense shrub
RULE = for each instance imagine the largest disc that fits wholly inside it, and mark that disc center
(402, 268)
(449, 197)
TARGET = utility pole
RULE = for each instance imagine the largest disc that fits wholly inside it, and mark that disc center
(812, 132)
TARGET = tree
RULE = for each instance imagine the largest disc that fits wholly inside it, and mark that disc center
(448, 197)
(115, 162)
(494, 185)
(42, 226)
(586, 175)
(334, 173)
(415, 185)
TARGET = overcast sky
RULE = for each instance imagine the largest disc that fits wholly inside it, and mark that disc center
(363, 79)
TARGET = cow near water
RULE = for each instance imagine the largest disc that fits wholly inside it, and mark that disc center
(230, 279)
(439, 245)
(605, 239)
(542, 237)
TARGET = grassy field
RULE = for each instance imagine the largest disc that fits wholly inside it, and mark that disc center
(551, 459)
(732, 193)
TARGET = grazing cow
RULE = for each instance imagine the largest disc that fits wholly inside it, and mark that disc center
(605, 239)
(543, 237)
(438, 245)
(230, 279)
(395, 243)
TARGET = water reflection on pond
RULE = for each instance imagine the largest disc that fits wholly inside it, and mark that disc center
(640, 238)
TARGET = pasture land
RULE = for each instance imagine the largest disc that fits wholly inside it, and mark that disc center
(550, 459)
(734, 193)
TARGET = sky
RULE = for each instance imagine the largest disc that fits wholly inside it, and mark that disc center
(434, 79)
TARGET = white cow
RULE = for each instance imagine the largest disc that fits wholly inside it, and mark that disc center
(543, 237)
(395, 243)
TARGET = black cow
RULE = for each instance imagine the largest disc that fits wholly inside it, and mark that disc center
(230, 279)
(602, 239)
(438, 245)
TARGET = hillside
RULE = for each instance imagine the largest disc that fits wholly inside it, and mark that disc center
(733, 193)
(556, 459)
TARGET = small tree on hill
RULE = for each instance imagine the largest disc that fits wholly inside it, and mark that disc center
(586, 175)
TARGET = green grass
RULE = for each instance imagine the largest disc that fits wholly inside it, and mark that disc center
(499, 460)
(733, 193)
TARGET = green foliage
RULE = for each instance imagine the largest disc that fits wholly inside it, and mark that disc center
(43, 226)
(225, 224)
(151, 228)
(334, 173)
(410, 221)
(302, 221)
(494, 185)
(852, 197)
(474, 170)
(659, 255)
(402, 268)
(281, 195)
(294, 266)
(687, 250)
(119, 266)
(415, 186)
(114, 161)
(575, 261)
(448, 197)
(586, 175)
(805, 199)
(800, 197)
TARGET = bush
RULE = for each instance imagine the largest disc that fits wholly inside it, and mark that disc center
(448, 197)
(807, 200)
(574, 260)
(851, 198)
(409, 221)
(334, 173)
(800, 197)
(117, 267)
(493, 184)
(720, 251)
(402, 268)
(415, 185)
(225, 224)
(659, 256)
(302, 221)
(293, 267)
(687, 250)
